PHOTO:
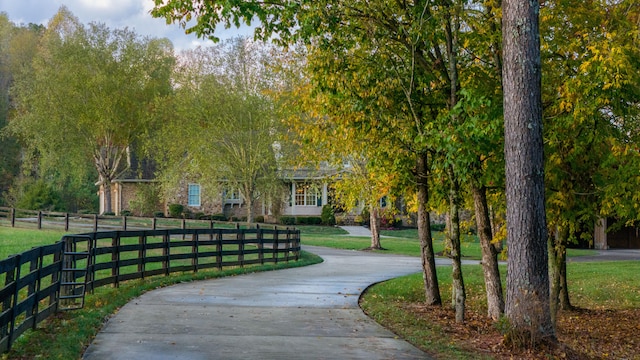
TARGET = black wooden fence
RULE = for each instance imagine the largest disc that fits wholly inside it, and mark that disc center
(47, 279)
(93, 222)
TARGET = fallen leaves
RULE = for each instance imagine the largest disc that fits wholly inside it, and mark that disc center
(582, 334)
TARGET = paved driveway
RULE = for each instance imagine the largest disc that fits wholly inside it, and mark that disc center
(303, 313)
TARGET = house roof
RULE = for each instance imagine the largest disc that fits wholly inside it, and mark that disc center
(307, 174)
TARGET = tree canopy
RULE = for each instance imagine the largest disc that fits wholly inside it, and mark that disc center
(90, 96)
(220, 127)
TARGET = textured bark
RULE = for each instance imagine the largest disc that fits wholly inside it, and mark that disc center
(565, 302)
(527, 305)
(459, 294)
(374, 221)
(432, 290)
(492, 283)
(106, 185)
(554, 276)
(559, 293)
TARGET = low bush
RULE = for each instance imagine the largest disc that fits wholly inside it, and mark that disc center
(308, 220)
(287, 220)
(175, 210)
(218, 217)
(259, 219)
(327, 216)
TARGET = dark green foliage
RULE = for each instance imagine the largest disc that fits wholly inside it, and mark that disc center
(39, 195)
(175, 210)
(308, 220)
(259, 219)
(126, 213)
(327, 216)
(219, 217)
(438, 227)
(287, 220)
(158, 214)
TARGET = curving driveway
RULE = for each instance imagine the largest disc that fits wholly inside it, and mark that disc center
(303, 313)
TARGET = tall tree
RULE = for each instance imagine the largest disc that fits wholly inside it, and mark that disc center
(17, 45)
(89, 98)
(221, 106)
(527, 305)
(402, 61)
(591, 107)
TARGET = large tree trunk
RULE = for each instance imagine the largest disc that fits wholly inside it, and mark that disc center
(106, 185)
(527, 306)
(492, 283)
(459, 294)
(374, 221)
(107, 160)
(432, 291)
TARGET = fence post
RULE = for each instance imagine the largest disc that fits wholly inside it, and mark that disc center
(153, 223)
(260, 237)
(7, 330)
(13, 217)
(95, 223)
(66, 221)
(240, 238)
(39, 220)
(115, 258)
(275, 247)
(219, 249)
(195, 247)
(166, 243)
(124, 223)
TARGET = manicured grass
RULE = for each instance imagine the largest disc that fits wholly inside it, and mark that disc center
(320, 230)
(607, 285)
(16, 240)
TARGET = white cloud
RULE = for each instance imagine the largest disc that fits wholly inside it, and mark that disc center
(133, 14)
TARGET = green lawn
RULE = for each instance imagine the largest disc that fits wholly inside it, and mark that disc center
(17, 240)
(403, 242)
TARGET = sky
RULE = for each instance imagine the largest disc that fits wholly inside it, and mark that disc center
(133, 14)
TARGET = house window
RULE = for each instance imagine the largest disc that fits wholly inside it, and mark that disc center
(232, 196)
(306, 196)
(194, 195)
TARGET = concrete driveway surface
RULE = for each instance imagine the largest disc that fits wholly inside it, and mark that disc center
(303, 313)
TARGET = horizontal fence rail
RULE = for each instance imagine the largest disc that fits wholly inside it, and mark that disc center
(93, 222)
(47, 279)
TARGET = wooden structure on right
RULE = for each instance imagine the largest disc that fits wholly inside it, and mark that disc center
(627, 237)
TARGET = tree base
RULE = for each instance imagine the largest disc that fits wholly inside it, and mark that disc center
(373, 248)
